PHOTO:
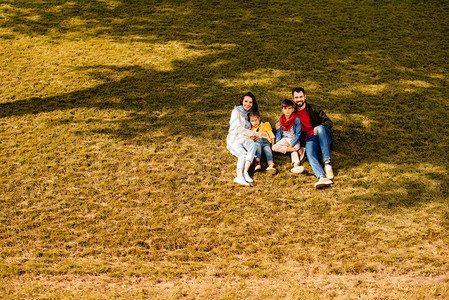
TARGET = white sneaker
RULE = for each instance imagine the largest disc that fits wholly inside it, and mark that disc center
(247, 177)
(297, 169)
(240, 180)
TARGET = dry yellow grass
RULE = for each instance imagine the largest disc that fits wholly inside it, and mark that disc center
(300, 286)
(115, 181)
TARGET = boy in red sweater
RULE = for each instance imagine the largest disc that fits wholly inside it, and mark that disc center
(289, 135)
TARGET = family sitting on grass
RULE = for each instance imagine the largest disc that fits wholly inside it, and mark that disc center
(304, 129)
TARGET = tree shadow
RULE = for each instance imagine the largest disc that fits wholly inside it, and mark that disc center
(359, 75)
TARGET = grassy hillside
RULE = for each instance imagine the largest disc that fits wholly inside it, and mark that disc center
(115, 181)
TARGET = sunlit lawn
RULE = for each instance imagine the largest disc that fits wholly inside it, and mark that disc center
(115, 181)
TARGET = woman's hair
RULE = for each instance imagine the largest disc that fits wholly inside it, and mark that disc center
(255, 107)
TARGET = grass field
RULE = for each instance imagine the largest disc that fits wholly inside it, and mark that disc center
(115, 180)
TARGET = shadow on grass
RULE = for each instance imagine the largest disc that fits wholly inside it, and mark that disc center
(354, 61)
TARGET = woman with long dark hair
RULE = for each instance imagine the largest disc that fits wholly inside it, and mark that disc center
(239, 141)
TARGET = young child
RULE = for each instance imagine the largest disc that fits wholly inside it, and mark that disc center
(289, 134)
(263, 143)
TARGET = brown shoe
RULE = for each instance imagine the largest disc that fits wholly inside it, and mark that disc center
(322, 182)
(301, 153)
(329, 171)
(271, 169)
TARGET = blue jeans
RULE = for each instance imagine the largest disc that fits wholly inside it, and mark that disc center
(316, 144)
(246, 152)
(265, 146)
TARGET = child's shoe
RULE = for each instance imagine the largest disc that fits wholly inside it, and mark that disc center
(240, 180)
(297, 169)
(301, 152)
(271, 169)
(247, 177)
